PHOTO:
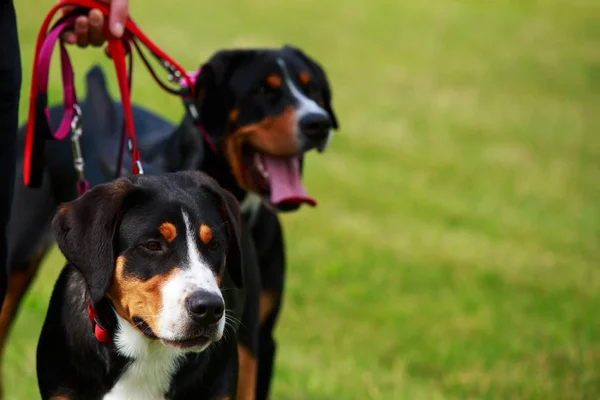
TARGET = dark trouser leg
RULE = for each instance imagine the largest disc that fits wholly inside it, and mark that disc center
(10, 87)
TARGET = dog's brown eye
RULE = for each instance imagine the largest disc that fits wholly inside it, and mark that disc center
(153, 246)
(213, 245)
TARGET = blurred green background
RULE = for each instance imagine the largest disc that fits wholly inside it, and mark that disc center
(455, 250)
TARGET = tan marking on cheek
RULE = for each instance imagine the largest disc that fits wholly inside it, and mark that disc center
(131, 296)
(168, 230)
(274, 81)
(304, 78)
(232, 148)
(273, 135)
(247, 374)
(60, 397)
(276, 135)
(234, 115)
(205, 234)
(268, 301)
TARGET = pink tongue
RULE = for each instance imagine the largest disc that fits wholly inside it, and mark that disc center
(286, 184)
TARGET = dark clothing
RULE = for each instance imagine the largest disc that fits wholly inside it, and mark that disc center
(10, 88)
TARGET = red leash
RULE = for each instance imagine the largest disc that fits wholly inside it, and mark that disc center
(38, 126)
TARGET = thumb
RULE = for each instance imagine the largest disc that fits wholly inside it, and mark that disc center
(119, 11)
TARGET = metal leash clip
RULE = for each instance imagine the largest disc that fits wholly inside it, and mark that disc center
(76, 132)
(174, 74)
(138, 163)
(139, 167)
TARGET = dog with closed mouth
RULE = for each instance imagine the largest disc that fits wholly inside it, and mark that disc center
(141, 309)
(261, 111)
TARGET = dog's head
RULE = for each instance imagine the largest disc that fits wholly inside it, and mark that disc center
(264, 109)
(158, 248)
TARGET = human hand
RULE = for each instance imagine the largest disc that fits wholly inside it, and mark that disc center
(90, 29)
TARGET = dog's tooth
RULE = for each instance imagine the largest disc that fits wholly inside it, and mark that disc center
(257, 163)
(260, 166)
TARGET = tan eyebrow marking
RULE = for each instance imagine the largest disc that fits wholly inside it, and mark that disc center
(274, 80)
(206, 234)
(168, 230)
(304, 77)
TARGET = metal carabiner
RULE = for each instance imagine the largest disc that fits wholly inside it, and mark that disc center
(76, 132)
(76, 121)
(138, 163)
(173, 74)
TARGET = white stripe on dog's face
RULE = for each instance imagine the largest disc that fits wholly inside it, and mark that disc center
(305, 105)
(193, 275)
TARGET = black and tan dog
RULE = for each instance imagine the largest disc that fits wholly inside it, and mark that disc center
(140, 310)
(263, 109)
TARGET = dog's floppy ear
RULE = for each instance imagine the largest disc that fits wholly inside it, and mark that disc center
(318, 74)
(85, 230)
(230, 211)
(214, 97)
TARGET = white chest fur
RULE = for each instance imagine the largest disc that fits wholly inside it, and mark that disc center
(148, 377)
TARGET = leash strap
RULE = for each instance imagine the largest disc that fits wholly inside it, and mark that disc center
(38, 127)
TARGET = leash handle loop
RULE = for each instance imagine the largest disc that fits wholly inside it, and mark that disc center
(38, 128)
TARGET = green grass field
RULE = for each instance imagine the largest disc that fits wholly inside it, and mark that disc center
(455, 250)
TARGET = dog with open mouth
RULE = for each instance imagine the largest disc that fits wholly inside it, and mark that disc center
(258, 113)
(142, 307)
(274, 106)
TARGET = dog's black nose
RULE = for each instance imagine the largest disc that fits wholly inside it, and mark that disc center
(205, 308)
(316, 126)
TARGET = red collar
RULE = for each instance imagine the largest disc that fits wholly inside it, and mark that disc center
(100, 333)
